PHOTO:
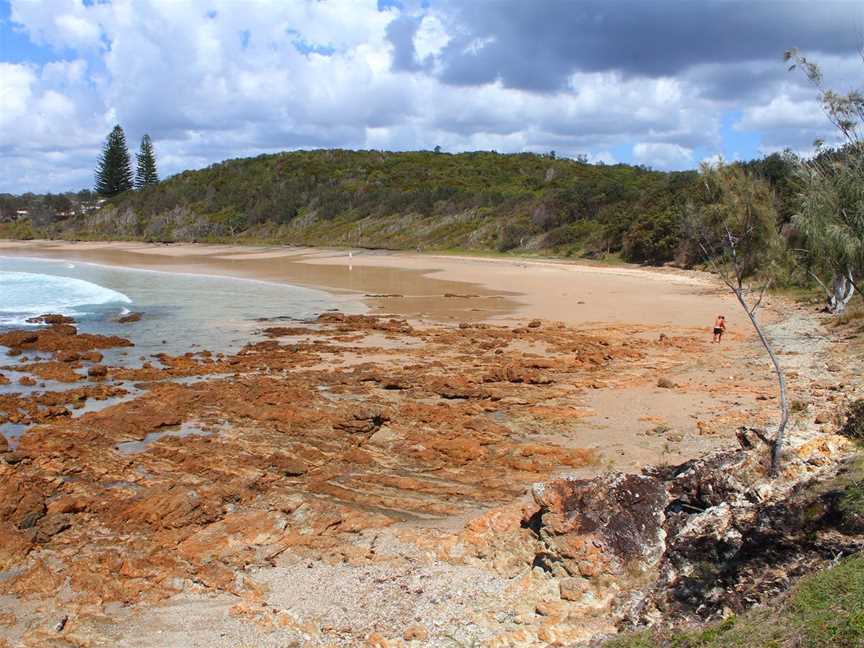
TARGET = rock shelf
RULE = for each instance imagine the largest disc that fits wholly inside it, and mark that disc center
(464, 468)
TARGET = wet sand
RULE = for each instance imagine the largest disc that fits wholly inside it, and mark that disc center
(436, 287)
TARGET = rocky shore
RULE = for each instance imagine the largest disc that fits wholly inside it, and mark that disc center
(369, 480)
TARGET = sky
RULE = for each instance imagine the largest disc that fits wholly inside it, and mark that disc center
(664, 83)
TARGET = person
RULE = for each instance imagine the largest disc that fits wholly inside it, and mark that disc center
(719, 328)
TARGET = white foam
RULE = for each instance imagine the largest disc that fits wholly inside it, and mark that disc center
(25, 294)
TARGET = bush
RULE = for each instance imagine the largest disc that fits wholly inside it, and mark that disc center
(513, 235)
(653, 240)
(854, 426)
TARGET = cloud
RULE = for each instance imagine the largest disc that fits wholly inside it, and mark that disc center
(662, 155)
(221, 79)
(537, 45)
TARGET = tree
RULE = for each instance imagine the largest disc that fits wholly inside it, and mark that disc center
(114, 172)
(831, 203)
(145, 174)
(738, 236)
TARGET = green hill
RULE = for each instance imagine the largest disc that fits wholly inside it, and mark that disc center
(472, 201)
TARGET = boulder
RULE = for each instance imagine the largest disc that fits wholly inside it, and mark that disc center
(128, 319)
(598, 526)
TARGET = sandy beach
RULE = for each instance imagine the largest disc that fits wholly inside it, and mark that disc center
(362, 479)
(438, 287)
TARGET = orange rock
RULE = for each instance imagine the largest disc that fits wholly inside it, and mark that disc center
(416, 632)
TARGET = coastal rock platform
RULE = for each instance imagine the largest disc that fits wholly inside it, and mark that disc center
(370, 480)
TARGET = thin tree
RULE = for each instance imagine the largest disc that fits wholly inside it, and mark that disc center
(114, 171)
(145, 174)
(738, 237)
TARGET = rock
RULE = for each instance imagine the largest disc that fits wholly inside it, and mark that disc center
(59, 337)
(597, 526)
(665, 383)
(131, 317)
(362, 422)
(51, 318)
(288, 466)
(97, 371)
(825, 416)
(416, 632)
(4, 444)
(554, 609)
(834, 368)
(535, 323)
(50, 526)
(68, 356)
(573, 589)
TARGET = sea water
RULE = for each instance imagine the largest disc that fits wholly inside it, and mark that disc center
(180, 312)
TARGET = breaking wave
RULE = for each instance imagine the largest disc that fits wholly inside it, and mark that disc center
(26, 294)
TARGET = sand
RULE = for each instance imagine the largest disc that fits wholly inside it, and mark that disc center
(438, 287)
(638, 324)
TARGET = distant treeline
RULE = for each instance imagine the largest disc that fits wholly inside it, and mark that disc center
(470, 201)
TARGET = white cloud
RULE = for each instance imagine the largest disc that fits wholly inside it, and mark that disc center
(431, 37)
(663, 155)
(216, 79)
(781, 112)
(713, 160)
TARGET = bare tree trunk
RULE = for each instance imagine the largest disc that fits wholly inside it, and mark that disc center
(842, 290)
(777, 445)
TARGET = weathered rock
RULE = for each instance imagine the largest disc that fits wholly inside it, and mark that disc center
(129, 318)
(97, 371)
(51, 318)
(598, 526)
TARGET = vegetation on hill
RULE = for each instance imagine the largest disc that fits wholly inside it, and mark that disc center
(473, 201)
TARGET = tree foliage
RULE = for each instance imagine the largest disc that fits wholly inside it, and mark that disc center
(831, 201)
(114, 170)
(145, 174)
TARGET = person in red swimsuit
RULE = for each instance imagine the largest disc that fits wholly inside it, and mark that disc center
(719, 329)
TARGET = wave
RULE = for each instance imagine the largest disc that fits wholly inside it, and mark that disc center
(25, 294)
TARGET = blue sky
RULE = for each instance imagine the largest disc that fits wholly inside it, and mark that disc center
(664, 83)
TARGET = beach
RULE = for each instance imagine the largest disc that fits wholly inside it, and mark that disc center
(363, 474)
(440, 287)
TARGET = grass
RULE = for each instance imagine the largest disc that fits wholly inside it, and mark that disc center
(825, 610)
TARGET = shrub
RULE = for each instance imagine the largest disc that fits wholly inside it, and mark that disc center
(854, 426)
(514, 234)
(653, 239)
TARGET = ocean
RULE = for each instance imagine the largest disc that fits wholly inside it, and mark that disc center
(180, 312)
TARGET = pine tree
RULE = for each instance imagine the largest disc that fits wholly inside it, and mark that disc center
(114, 173)
(146, 173)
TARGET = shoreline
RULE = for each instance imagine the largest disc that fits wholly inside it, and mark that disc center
(388, 463)
(433, 286)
